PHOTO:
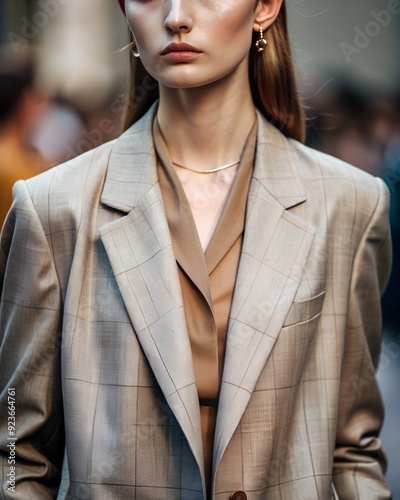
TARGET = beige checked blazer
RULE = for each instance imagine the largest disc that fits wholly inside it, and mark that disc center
(94, 339)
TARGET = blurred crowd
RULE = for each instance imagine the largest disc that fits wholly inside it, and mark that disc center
(21, 107)
(62, 80)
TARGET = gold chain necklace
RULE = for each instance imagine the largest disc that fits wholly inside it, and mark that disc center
(211, 171)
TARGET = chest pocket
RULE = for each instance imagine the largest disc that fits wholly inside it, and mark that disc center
(305, 310)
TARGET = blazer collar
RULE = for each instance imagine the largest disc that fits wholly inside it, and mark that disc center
(131, 169)
(275, 166)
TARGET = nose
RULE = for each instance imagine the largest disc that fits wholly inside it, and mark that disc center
(178, 18)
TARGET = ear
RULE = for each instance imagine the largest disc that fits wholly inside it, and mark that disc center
(266, 13)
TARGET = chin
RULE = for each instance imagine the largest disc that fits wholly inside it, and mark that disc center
(184, 85)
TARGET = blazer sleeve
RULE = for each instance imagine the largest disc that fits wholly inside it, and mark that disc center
(32, 445)
(359, 462)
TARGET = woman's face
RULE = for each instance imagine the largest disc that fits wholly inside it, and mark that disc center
(218, 31)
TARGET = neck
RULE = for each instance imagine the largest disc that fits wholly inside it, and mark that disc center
(210, 123)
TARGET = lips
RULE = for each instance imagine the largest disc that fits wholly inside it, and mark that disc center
(179, 47)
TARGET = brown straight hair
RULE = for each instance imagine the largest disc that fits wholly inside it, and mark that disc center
(272, 82)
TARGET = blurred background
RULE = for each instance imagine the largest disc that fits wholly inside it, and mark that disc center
(63, 80)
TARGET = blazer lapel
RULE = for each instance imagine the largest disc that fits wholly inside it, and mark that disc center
(275, 248)
(140, 251)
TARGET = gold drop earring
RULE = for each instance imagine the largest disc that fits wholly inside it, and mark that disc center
(134, 49)
(261, 43)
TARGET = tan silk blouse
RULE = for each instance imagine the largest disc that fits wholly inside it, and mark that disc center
(207, 279)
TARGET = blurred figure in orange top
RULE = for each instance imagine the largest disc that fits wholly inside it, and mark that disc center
(21, 107)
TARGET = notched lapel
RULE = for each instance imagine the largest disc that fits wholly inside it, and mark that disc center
(140, 251)
(275, 249)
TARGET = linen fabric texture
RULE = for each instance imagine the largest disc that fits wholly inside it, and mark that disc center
(94, 340)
